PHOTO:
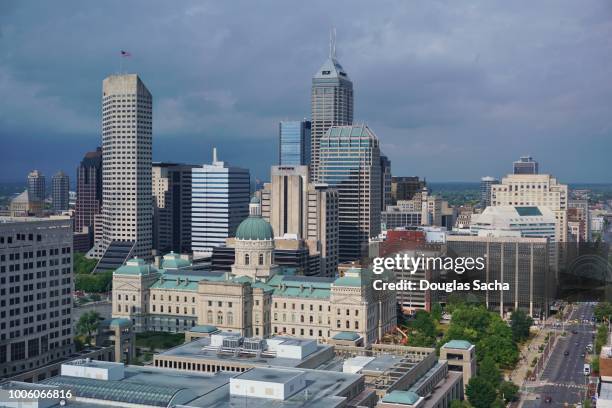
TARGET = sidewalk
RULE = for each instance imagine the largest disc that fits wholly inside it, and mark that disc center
(528, 352)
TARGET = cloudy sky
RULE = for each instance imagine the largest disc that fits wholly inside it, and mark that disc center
(455, 90)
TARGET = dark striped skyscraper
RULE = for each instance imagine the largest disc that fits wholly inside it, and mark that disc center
(61, 191)
(294, 143)
(36, 186)
(331, 102)
(89, 190)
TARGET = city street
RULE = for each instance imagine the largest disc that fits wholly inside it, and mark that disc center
(563, 379)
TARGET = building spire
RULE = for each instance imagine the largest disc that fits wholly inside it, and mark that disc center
(332, 43)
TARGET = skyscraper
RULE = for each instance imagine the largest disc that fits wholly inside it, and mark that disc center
(36, 186)
(404, 188)
(36, 267)
(525, 165)
(485, 190)
(172, 207)
(294, 143)
(61, 191)
(127, 202)
(220, 196)
(89, 190)
(385, 182)
(350, 162)
(331, 102)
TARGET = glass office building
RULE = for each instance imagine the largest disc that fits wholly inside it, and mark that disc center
(219, 203)
(294, 143)
(350, 162)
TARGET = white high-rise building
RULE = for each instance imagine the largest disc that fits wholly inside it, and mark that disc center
(220, 197)
(538, 190)
(127, 203)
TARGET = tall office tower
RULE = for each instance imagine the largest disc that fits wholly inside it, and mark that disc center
(303, 215)
(485, 190)
(127, 200)
(219, 202)
(89, 190)
(331, 102)
(172, 207)
(36, 292)
(294, 143)
(385, 182)
(525, 165)
(61, 191)
(36, 186)
(404, 188)
(350, 162)
(540, 190)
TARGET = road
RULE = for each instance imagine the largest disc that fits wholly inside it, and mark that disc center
(563, 378)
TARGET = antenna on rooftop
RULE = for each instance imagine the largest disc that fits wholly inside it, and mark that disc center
(332, 42)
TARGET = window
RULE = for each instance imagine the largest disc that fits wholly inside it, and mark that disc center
(230, 318)
(219, 317)
(246, 259)
(261, 259)
(209, 317)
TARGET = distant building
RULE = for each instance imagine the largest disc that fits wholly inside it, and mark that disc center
(36, 307)
(385, 182)
(525, 165)
(404, 188)
(220, 196)
(294, 143)
(579, 220)
(61, 191)
(23, 206)
(527, 221)
(485, 190)
(350, 163)
(89, 199)
(36, 186)
(331, 103)
(171, 207)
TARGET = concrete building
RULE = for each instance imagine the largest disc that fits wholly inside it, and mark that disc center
(535, 190)
(294, 138)
(350, 163)
(331, 103)
(385, 182)
(579, 220)
(171, 207)
(127, 199)
(508, 220)
(89, 195)
(37, 188)
(521, 262)
(525, 165)
(404, 188)
(460, 355)
(23, 206)
(304, 217)
(396, 217)
(258, 298)
(219, 202)
(60, 191)
(485, 190)
(36, 293)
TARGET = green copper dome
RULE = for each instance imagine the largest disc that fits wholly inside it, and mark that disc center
(255, 228)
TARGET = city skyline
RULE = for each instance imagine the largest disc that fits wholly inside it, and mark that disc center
(450, 101)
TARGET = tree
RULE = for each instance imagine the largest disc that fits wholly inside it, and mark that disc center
(520, 324)
(480, 393)
(436, 312)
(508, 391)
(88, 324)
(459, 404)
(489, 371)
(501, 349)
(602, 311)
(94, 283)
(422, 330)
(83, 265)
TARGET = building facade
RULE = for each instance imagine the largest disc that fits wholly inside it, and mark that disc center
(61, 191)
(331, 103)
(258, 298)
(294, 138)
(219, 202)
(525, 165)
(385, 182)
(35, 293)
(171, 207)
(89, 191)
(350, 163)
(404, 188)
(127, 139)
(485, 190)
(37, 188)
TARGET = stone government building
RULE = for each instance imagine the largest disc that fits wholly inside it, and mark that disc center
(258, 298)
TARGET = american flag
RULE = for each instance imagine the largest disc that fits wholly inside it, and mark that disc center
(125, 53)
